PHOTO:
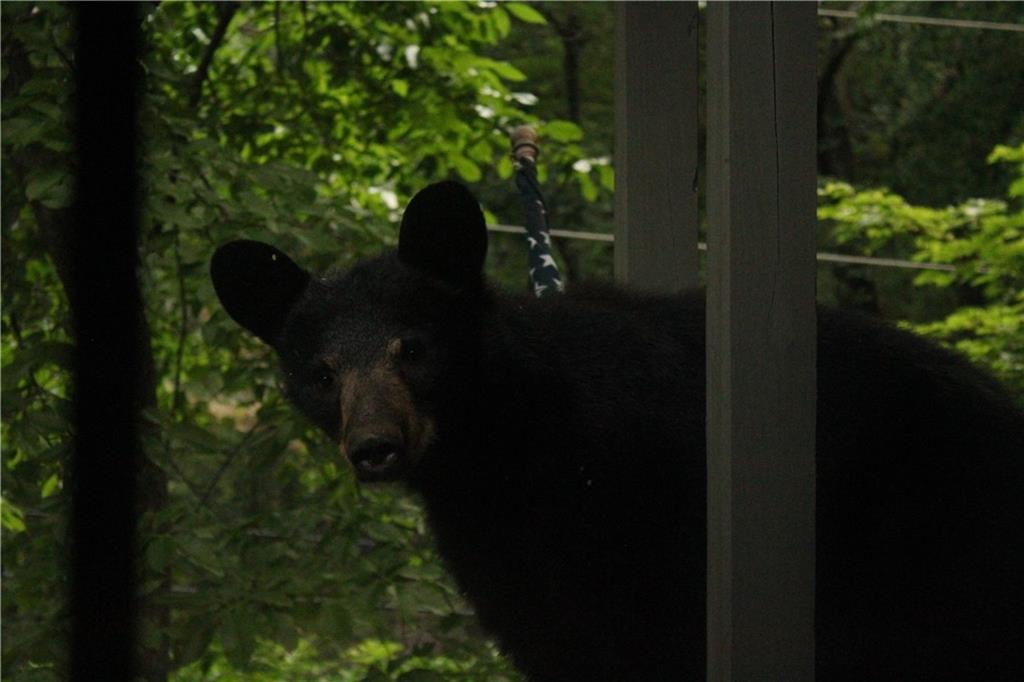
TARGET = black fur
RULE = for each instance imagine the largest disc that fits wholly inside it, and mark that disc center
(577, 528)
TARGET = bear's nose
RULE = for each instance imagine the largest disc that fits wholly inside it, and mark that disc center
(377, 457)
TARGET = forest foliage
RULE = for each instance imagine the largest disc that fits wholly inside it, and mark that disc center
(309, 125)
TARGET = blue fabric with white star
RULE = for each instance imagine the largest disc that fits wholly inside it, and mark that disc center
(544, 275)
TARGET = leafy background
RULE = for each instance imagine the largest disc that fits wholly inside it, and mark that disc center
(309, 125)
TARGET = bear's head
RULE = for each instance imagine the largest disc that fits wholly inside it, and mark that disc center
(376, 356)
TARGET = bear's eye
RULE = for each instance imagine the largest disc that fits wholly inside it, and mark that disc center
(325, 378)
(412, 348)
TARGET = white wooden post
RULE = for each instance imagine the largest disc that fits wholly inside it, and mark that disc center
(761, 340)
(656, 101)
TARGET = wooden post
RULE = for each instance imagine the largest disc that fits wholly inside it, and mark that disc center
(656, 101)
(106, 307)
(761, 340)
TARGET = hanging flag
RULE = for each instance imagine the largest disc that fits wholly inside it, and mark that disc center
(544, 274)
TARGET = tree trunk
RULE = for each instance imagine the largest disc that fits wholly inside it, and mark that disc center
(55, 227)
(834, 159)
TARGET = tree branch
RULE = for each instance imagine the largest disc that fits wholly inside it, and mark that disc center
(278, 57)
(828, 159)
(225, 13)
(203, 499)
(176, 396)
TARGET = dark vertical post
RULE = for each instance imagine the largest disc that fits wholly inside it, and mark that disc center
(761, 340)
(106, 307)
(656, 101)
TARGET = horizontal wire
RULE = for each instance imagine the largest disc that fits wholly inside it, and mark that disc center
(929, 21)
(568, 234)
(823, 256)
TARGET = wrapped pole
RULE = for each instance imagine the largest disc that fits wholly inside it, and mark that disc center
(544, 275)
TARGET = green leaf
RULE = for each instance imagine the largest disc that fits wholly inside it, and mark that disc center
(501, 21)
(562, 131)
(48, 108)
(481, 152)
(507, 71)
(58, 197)
(523, 12)
(11, 518)
(50, 486)
(587, 187)
(505, 167)
(373, 652)
(400, 87)
(50, 187)
(1017, 188)
(29, 358)
(1005, 153)
(466, 168)
(21, 131)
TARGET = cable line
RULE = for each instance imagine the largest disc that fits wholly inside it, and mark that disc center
(823, 256)
(928, 21)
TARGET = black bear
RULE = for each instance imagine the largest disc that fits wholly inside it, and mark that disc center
(577, 530)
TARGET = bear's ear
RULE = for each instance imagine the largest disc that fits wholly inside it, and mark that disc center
(257, 285)
(443, 233)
